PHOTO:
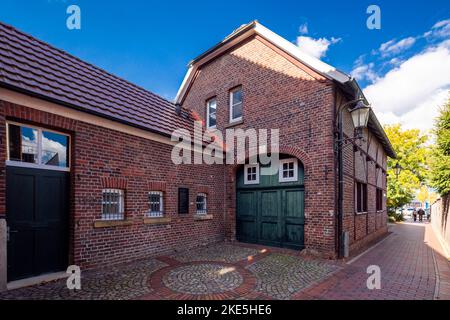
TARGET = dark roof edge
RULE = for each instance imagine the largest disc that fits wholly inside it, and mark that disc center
(73, 106)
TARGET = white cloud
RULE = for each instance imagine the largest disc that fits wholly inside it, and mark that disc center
(421, 117)
(315, 47)
(394, 47)
(303, 29)
(51, 147)
(364, 72)
(412, 93)
(441, 28)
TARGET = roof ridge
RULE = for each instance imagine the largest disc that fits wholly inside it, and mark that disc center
(65, 53)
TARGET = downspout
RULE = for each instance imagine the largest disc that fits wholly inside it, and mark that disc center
(339, 177)
(340, 216)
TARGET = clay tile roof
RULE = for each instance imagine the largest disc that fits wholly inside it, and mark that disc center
(34, 67)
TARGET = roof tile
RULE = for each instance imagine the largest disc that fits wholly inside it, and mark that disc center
(38, 68)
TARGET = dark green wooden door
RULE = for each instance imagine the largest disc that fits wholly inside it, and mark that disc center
(270, 212)
(37, 217)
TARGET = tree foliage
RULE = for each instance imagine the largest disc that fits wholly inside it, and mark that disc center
(440, 160)
(412, 153)
(423, 195)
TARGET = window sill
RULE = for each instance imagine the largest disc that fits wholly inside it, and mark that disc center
(201, 217)
(360, 213)
(157, 220)
(111, 223)
(212, 130)
(234, 123)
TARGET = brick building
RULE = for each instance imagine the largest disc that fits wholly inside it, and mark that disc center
(86, 174)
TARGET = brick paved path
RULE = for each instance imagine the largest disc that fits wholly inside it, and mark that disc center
(412, 267)
(411, 263)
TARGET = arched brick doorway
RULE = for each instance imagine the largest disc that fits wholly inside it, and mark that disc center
(270, 209)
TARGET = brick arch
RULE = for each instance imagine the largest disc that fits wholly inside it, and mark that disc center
(292, 151)
(298, 153)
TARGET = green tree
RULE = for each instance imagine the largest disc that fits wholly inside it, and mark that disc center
(412, 157)
(440, 160)
(423, 195)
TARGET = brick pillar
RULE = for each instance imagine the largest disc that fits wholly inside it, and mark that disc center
(230, 210)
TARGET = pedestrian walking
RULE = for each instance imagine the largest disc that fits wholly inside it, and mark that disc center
(420, 213)
(415, 215)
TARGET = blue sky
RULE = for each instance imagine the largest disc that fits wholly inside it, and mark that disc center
(151, 42)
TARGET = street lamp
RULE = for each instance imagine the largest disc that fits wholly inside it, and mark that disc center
(360, 116)
(397, 169)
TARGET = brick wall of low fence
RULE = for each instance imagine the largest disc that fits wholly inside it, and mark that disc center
(440, 220)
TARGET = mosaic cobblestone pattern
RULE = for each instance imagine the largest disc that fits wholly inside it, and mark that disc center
(218, 252)
(119, 283)
(203, 279)
(280, 276)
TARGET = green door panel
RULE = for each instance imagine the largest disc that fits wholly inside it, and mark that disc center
(269, 233)
(269, 201)
(246, 216)
(247, 203)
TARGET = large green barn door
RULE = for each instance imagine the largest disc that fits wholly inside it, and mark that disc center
(270, 212)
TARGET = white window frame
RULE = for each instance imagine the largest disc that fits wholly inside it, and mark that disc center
(246, 167)
(280, 170)
(232, 105)
(121, 203)
(207, 113)
(39, 165)
(160, 213)
(205, 211)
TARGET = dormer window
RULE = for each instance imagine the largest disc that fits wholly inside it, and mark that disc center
(236, 104)
(211, 107)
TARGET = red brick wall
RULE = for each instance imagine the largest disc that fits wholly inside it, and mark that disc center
(139, 164)
(278, 94)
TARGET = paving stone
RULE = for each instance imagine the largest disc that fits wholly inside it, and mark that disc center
(217, 252)
(203, 279)
(128, 281)
(279, 275)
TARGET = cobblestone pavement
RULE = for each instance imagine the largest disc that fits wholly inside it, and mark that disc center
(411, 268)
(122, 282)
(411, 264)
(280, 276)
(219, 252)
(220, 271)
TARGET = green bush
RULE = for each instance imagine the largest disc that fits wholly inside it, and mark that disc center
(395, 217)
(391, 219)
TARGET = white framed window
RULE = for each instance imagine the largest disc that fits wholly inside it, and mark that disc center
(201, 203)
(236, 104)
(288, 170)
(156, 205)
(113, 204)
(211, 108)
(34, 147)
(251, 174)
